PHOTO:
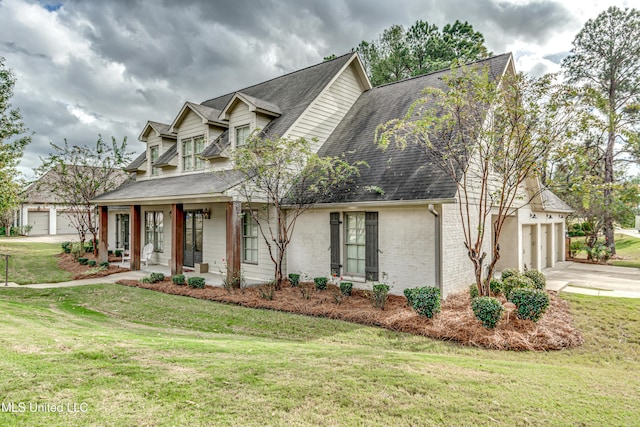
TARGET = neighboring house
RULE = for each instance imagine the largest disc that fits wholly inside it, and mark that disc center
(44, 211)
(400, 220)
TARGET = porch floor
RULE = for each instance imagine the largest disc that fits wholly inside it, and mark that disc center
(211, 279)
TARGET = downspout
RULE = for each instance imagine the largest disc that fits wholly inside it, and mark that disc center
(438, 246)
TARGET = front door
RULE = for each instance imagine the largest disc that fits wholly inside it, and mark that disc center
(122, 231)
(192, 238)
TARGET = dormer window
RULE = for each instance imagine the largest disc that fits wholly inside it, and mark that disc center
(242, 134)
(191, 149)
(154, 156)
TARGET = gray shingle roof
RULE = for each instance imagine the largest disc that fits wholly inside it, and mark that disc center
(551, 202)
(259, 104)
(166, 157)
(211, 114)
(137, 162)
(162, 129)
(292, 93)
(218, 145)
(199, 184)
(393, 174)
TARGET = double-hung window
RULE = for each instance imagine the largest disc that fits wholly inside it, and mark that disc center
(249, 239)
(154, 230)
(355, 243)
(191, 149)
(242, 134)
(155, 150)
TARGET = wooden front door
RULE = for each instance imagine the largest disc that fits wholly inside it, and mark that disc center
(192, 237)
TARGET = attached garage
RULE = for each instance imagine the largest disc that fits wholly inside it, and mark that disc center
(39, 222)
(64, 224)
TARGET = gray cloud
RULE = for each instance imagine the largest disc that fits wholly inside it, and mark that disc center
(106, 67)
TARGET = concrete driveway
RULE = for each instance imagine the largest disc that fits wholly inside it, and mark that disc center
(594, 279)
(47, 238)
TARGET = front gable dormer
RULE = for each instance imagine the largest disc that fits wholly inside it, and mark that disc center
(255, 105)
(207, 115)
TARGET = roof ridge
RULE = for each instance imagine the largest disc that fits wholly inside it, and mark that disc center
(279, 77)
(442, 70)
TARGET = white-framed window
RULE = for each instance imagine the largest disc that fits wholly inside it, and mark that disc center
(249, 239)
(154, 230)
(191, 149)
(355, 243)
(242, 134)
(155, 152)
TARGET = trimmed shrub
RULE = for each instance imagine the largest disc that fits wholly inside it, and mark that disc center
(495, 286)
(346, 288)
(509, 272)
(83, 261)
(531, 303)
(488, 310)
(146, 279)
(104, 264)
(539, 281)
(424, 300)
(156, 277)
(321, 283)
(118, 253)
(473, 291)
(178, 279)
(516, 282)
(92, 263)
(66, 247)
(379, 295)
(196, 282)
(294, 278)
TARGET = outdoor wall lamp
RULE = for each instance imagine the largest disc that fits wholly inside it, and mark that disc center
(206, 213)
(549, 216)
(533, 216)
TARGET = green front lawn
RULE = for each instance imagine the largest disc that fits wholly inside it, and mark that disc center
(32, 262)
(139, 357)
(627, 247)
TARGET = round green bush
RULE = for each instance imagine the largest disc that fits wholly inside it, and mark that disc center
(346, 288)
(92, 263)
(539, 281)
(178, 279)
(516, 282)
(294, 278)
(488, 310)
(495, 286)
(424, 300)
(104, 264)
(83, 261)
(379, 294)
(531, 303)
(196, 282)
(156, 277)
(321, 283)
(509, 272)
(473, 291)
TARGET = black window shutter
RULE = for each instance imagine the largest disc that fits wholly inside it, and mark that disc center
(371, 246)
(334, 221)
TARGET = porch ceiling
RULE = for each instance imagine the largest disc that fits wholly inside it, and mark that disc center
(184, 187)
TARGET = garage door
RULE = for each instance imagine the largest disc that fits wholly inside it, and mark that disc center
(64, 224)
(39, 222)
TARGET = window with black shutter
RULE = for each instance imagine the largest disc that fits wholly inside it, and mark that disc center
(334, 221)
(371, 247)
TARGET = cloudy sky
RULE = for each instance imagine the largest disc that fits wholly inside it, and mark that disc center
(85, 68)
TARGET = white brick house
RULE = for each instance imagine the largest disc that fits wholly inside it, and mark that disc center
(401, 217)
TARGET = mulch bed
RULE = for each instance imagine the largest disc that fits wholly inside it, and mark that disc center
(456, 322)
(68, 263)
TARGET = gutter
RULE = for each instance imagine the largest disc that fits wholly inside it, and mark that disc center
(438, 246)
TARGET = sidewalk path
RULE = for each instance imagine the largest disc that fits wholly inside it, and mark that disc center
(594, 279)
(112, 278)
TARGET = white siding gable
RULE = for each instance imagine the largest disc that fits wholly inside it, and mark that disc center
(326, 112)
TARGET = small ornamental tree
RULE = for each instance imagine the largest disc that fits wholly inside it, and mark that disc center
(79, 174)
(14, 137)
(490, 136)
(284, 178)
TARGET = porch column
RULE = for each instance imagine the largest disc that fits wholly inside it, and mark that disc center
(103, 236)
(177, 238)
(135, 246)
(234, 231)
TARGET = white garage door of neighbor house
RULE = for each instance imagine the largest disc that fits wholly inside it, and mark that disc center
(39, 222)
(63, 224)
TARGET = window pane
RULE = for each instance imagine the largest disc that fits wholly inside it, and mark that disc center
(242, 133)
(355, 243)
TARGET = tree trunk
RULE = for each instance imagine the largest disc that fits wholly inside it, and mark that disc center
(608, 192)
